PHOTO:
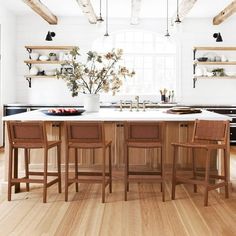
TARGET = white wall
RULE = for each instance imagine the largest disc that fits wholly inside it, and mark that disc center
(8, 61)
(8, 52)
(77, 31)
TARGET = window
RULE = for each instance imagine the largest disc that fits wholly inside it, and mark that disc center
(152, 57)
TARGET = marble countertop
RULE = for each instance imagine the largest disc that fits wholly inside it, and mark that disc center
(108, 114)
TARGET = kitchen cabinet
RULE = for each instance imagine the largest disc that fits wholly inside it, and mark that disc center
(214, 63)
(45, 50)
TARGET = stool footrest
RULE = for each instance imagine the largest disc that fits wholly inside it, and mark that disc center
(144, 172)
(41, 173)
(94, 173)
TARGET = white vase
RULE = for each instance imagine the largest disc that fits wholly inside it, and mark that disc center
(91, 102)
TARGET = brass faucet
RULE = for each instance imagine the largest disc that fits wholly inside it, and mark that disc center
(137, 103)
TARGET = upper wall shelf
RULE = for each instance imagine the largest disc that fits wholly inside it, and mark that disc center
(208, 62)
(215, 48)
(45, 50)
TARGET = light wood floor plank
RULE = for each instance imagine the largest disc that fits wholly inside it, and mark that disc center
(143, 214)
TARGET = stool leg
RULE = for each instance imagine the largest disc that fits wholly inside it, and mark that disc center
(15, 169)
(110, 170)
(226, 173)
(10, 173)
(194, 169)
(26, 167)
(59, 166)
(103, 173)
(162, 175)
(76, 170)
(207, 173)
(45, 173)
(174, 174)
(127, 169)
(126, 173)
(66, 173)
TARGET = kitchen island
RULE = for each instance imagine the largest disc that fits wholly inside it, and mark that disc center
(178, 128)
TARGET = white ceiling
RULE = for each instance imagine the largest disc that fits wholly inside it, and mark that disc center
(120, 8)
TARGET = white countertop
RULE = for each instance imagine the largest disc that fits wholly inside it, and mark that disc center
(108, 114)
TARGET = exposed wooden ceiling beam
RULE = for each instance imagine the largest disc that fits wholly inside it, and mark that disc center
(88, 10)
(135, 11)
(226, 13)
(184, 8)
(42, 10)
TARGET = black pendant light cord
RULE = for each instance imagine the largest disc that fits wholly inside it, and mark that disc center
(100, 12)
(177, 14)
(106, 34)
(167, 19)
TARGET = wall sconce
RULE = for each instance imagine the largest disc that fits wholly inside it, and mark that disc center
(218, 37)
(50, 35)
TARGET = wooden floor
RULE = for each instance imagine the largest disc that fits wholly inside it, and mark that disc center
(143, 214)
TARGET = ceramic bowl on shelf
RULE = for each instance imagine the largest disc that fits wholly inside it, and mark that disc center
(50, 72)
(34, 70)
(43, 58)
(202, 59)
(34, 56)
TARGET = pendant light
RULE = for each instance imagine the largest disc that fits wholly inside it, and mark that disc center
(100, 19)
(167, 19)
(106, 34)
(177, 20)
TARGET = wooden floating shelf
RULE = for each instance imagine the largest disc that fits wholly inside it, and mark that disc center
(215, 77)
(215, 62)
(50, 47)
(43, 62)
(215, 48)
(40, 76)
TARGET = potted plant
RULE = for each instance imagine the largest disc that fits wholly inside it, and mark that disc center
(100, 73)
(52, 56)
(218, 72)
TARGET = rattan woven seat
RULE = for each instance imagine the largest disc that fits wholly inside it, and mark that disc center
(147, 135)
(27, 136)
(87, 135)
(207, 135)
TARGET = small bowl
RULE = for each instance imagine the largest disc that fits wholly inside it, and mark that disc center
(34, 56)
(50, 72)
(43, 58)
(202, 58)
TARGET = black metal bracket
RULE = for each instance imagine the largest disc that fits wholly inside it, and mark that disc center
(29, 50)
(29, 81)
(194, 53)
(194, 82)
(29, 65)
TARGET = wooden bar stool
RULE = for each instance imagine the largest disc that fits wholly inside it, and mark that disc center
(147, 135)
(31, 135)
(87, 135)
(208, 135)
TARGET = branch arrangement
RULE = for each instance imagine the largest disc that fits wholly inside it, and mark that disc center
(101, 72)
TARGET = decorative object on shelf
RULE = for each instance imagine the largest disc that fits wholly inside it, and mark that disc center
(218, 72)
(50, 35)
(202, 58)
(167, 19)
(50, 72)
(218, 37)
(106, 33)
(34, 70)
(52, 56)
(224, 58)
(43, 58)
(177, 20)
(100, 19)
(101, 72)
(34, 56)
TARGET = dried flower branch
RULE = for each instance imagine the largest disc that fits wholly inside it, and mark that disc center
(101, 72)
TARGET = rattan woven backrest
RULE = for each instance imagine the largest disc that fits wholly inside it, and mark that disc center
(144, 131)
(85, 132)
(210, 130)
(26, 133)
